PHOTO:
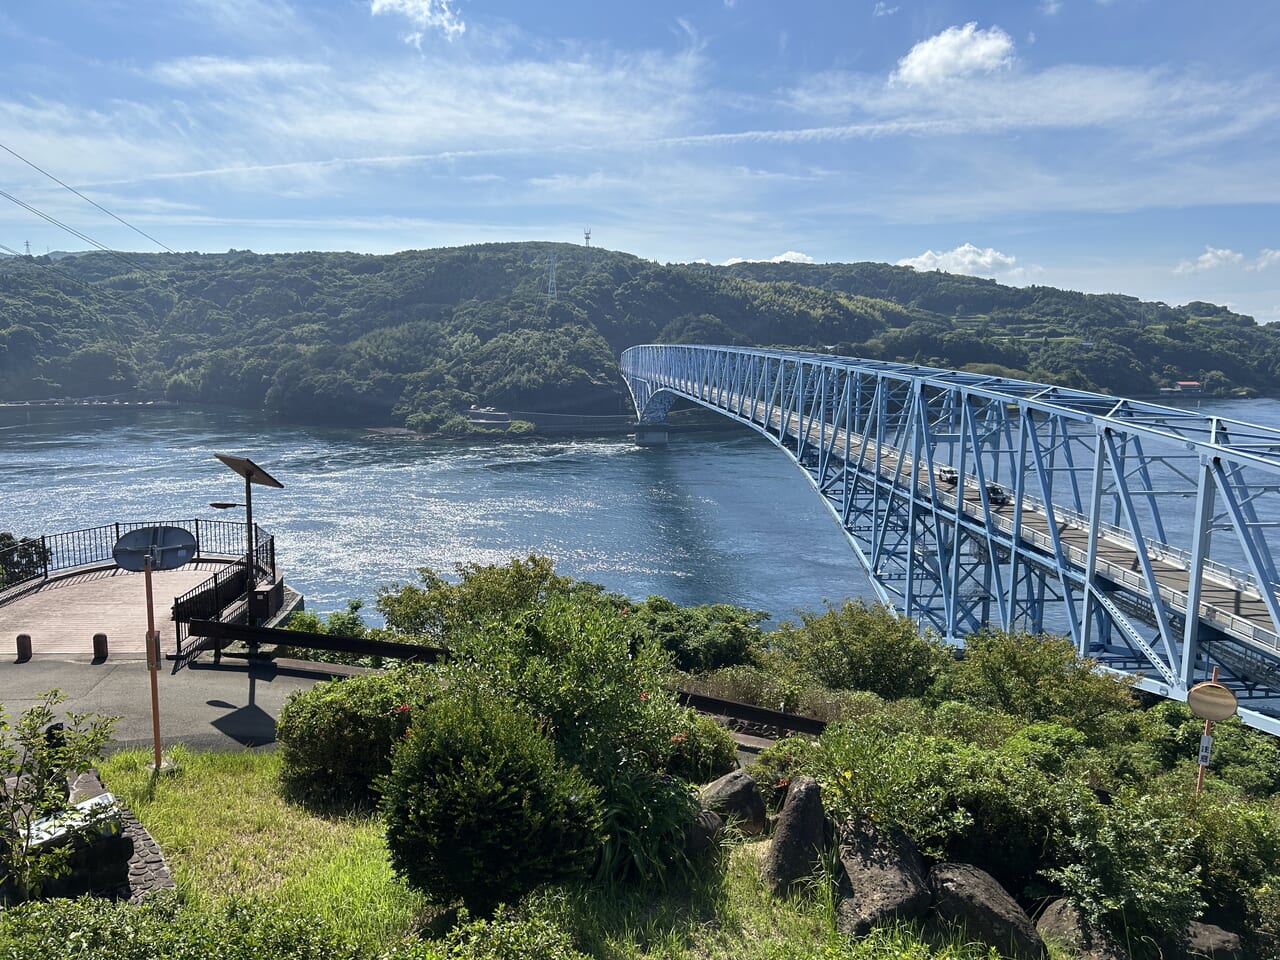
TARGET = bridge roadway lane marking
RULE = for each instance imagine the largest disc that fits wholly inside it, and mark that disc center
(1237, 613)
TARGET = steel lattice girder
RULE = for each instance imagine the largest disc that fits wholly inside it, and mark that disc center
(976, 501)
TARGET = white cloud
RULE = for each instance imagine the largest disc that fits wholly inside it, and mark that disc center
(1211, 259)
(955, 52)
(1050, 7)
(1267, 258)
(791, 256)
(883, 10)
(424, 15)
(973, 261)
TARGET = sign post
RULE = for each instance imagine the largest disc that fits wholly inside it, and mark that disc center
(147, 549)
(1210, 701)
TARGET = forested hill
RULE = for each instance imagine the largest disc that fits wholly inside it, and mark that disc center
(418, 336)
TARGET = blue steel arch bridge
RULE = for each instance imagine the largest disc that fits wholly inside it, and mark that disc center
(1145, 533)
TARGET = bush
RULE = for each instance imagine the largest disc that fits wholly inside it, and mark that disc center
(1039, 677)
(1130, 865)
(701, 749)
(570, 663)
(502, 938)
(699, 638)
(437, 610)
(39, 758)
(336, 738)
(861, 646)
(478, 807)
(162, 927)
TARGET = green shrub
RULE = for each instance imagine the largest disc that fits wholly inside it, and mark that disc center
(38, 766)
(646, 819)
(1130, 864)
(1049, 746)
(502, 938)
(439, 611)
(1237, 847)
(776, 765)
(96, 929)
(336, 738)
(699, 638)
(1039, 677)
(969, 723)
(478, 807)
(570, 662)
(861, 646)
(701, 749)
(896, 780)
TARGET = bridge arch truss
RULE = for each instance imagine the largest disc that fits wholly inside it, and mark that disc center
(974, 501)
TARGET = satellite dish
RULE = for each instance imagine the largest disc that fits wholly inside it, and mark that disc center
(168, 548)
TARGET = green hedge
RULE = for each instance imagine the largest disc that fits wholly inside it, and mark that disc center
(336, 738)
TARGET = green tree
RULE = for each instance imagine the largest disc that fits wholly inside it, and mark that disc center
(35, 763)
(21, 558)
(861, 646)
(1039, 678)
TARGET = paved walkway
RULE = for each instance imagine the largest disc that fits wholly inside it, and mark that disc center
(64, 614)
(227, 707)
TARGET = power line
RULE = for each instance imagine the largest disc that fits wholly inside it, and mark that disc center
(74, 279)
(33, 166)
(74, 232)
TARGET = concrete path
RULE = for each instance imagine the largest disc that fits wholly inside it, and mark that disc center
(64, 614)
(227, 707)
(231, 706)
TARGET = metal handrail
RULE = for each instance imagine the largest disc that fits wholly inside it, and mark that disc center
(61, 553)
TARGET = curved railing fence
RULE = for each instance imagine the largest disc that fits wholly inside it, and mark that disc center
(1146, 533)
(31, 561)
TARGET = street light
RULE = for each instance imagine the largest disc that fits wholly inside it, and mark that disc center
(252, 474)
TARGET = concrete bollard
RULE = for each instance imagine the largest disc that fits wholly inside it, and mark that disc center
(99, 646)
(24, 647)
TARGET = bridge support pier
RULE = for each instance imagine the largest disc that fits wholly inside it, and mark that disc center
(651, 434)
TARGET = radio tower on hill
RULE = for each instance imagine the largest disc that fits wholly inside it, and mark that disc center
(586, 235)
(551, 278)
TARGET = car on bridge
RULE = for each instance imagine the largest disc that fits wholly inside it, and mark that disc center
(948, 475)
(997, 495)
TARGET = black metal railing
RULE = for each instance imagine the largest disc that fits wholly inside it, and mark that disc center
(24, 566)
(223, 598)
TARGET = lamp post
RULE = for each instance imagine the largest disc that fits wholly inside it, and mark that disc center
(252, 474)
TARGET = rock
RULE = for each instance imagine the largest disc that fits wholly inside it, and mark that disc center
(799, 838)
(1204, 941)
(967, 897)
(736, 797)
(1062, 921)
(881, 878)
(85, 787)
(702, 835)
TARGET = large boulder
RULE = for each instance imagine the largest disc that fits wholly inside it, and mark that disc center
(1063, 922)
(799, 838)
(1204, 941)
(736, 797)
(702, 834)
(970, 899)
(881, 878)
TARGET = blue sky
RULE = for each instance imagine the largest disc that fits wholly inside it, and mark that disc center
(1121, 146)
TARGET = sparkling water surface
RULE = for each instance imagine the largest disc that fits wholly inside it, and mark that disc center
(714, 517)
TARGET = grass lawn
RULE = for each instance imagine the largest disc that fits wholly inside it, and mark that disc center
(229, 833)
